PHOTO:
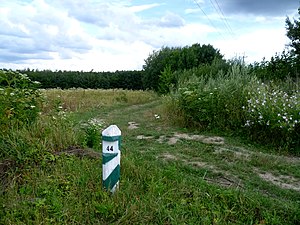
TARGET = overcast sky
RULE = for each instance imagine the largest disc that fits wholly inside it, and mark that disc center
(120, 34)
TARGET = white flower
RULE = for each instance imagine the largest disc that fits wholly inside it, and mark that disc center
(156, 116)
(32, 106)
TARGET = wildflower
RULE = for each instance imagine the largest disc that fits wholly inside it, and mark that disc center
(32, 106)
(156, 116)
(247, 124)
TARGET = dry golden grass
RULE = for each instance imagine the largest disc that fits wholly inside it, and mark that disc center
(86, 99)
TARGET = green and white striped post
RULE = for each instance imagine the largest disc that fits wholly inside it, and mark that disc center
(111, 157)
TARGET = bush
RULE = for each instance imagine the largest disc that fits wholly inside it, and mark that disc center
(237, 101)
(20, 100)
(215, 102)
(273, 115)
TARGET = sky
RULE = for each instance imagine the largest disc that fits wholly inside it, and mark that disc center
(115, 35)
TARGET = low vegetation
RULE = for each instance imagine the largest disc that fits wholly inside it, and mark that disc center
(51, 170)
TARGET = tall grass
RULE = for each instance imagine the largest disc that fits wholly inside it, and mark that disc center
(87, 99)
(237, 101)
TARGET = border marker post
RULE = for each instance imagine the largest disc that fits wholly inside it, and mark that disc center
(111, 157)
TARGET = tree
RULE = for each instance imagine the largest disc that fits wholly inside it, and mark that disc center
(293, 33)
(174, 59)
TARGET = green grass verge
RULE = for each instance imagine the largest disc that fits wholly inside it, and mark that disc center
(187, 182)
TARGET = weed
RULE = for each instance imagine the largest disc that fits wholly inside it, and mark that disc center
(20, 100)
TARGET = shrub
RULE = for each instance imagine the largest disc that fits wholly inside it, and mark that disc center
(274, 115)
(215, 102)
(92, 131)
(19, 99)
(239, 102)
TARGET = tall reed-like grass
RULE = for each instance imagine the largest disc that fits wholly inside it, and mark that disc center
(215, 102)
(237, 101)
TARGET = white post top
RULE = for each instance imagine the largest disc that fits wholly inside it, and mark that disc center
(112, 130)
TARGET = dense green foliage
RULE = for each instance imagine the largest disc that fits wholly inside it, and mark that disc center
(176, 59)
(131, 80)
(237, 101)
(215, 102)
(280, 67)
(19, 100)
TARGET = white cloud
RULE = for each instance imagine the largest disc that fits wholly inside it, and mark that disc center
(255, 45)
(115, 35)
(140, 8)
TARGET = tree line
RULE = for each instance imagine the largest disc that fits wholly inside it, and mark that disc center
(131, 80)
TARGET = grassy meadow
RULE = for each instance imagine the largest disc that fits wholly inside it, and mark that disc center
(51, 169)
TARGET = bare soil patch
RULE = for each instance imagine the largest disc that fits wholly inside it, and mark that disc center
(143, 137)
(282, 181)
(80, 152)
(168, 156)
(133, 125)
(182, 136)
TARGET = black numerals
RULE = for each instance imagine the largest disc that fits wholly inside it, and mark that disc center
(110, 148)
